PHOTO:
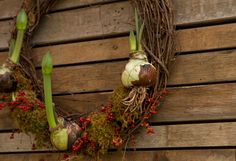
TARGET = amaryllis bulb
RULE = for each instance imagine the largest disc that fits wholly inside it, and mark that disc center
(59, 139)
(7, 82)
(139, 72)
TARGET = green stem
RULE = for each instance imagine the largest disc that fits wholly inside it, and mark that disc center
(16, 52)
(132, 42)
(140, 48)
(11, 47)
(21, 25)
(136, 26)
(47, 71)
(48, 101)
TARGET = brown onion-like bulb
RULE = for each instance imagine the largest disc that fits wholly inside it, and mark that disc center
(7, 82)
(139, 72)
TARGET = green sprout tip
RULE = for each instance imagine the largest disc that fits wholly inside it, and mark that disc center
(21, 25)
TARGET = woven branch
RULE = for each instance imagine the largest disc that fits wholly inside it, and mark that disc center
(158, 36)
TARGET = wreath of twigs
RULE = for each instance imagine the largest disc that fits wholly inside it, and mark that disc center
(128, 109)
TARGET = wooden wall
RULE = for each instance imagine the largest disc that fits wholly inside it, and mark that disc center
(88, 39)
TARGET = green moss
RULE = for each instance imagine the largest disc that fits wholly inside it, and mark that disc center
(31, 120)
(124, 118)
(101, 132)
(22, 82)
(118, 95)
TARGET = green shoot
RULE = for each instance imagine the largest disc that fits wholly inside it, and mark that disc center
(47, 71)
(136, 25)
(140, 37)
(59, 137)
(21, 25)
(11, 47)
(132, 41)
(139, 25)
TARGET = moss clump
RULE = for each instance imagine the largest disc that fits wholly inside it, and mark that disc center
(30, 116)
(118, 95)
(22, 82)
(35, 122)
(118, 108)
(101, 134)
(125, 118)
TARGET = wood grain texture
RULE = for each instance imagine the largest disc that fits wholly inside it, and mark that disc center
(201, 12)
(84, 78)
(68, 4)
(6, 122)
(32, 157)
(188, 12)
(21, 142)
(205, 38)
(117, 18)
(97, 21)
(111, 19)
(3, 56)
(204, 68)
(9, 8)
(170, 136)
(88, 51)
(181, 155)
(5, 28)
(208, 102)
(197, 103)
(189, 135)
(189, 69)
(174, 155)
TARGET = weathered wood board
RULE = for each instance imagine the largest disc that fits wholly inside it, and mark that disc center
(174, 155)
(188, 12)
(104, 20)
(166, 136)
(195, 103)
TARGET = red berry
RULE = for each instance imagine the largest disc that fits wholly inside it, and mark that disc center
(150, 130)
(21, 93)
(65, 156)
(2, 105)
(82, 120)
(85, 137)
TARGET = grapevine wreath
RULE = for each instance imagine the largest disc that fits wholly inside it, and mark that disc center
(144, 82)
